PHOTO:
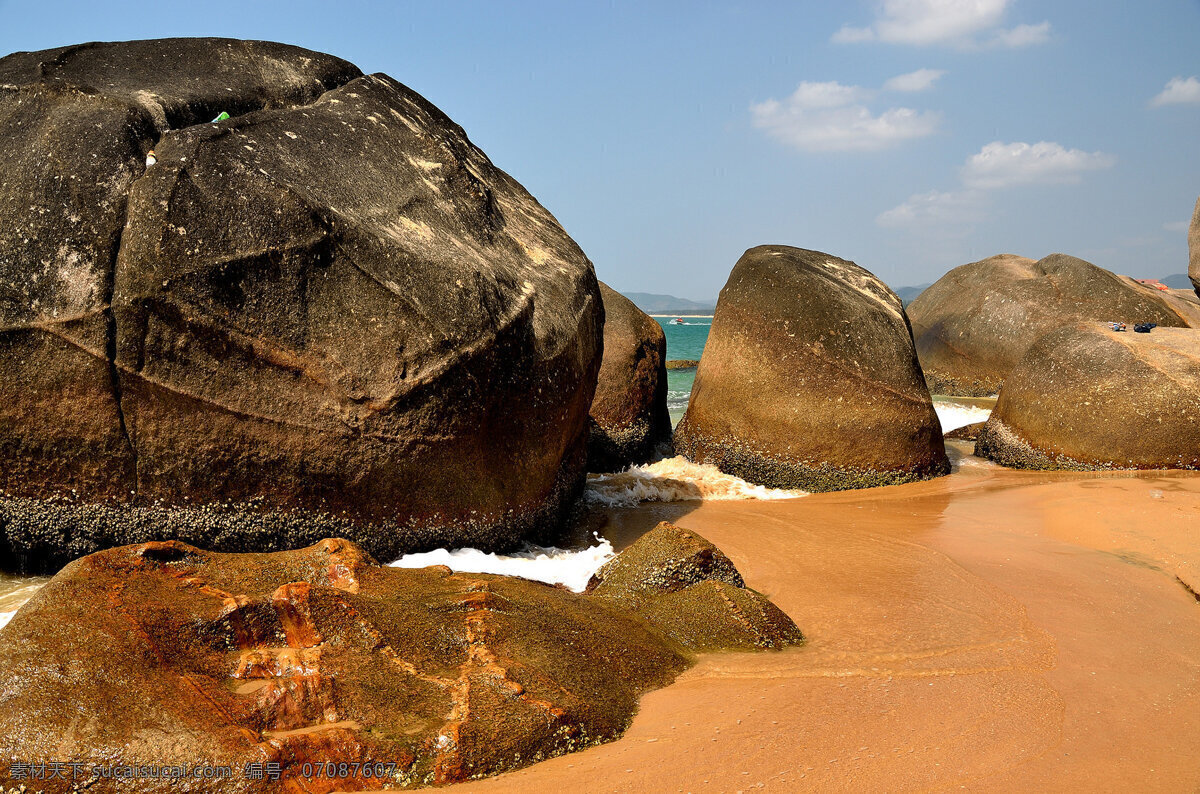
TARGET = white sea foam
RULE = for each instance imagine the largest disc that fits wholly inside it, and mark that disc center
(14, 593)
(674, 480)
(569, 568)
(956, 415)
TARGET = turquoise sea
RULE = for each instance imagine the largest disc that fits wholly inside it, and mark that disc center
(683, 342)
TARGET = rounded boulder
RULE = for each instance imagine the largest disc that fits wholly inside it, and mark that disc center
(328, 300)
(809, 379)
(629, 419)
(1086, 397)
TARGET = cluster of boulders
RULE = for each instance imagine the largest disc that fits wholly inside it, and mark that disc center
(252, 298)
(1088, 396)
(813, 377)
(978, 321)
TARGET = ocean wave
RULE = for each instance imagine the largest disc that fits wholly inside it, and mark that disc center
(570, 568)
(678, 399)
(956, 415)
(15, 593)
(675, 480)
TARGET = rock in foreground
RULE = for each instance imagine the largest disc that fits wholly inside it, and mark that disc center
(330, 301)
(977, 321)
(629, 419)
(161, 653)
(1085, 397)
(809, 380)
(686, 588)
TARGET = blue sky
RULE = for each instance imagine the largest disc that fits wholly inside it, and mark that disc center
(910, 136)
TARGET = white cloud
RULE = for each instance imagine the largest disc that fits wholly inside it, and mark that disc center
(999, 165)
(831, 117)
(1021, 36)
(1177, 226)
(815, 96)
(935, 208)
(920, 80)
(966, 24)
(849, 35)
(1178, 91)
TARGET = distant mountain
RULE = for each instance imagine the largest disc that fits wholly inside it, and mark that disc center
(1177, 281)
(908, 294)
(652, 303)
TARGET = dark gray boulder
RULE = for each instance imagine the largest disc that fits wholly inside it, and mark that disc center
(629, 418)
(809, 379)
(330, 302)
(977, 321)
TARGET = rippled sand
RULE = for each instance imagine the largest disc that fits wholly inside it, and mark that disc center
(993, 630)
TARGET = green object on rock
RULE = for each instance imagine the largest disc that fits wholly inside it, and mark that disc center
(221, 117)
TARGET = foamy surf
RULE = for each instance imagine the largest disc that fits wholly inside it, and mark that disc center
(675, 480)
(13, 594)
(549, 564)
(956, 415)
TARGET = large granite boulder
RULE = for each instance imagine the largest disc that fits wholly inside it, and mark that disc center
(1085, 397)
(976, 322)
(809, 379)
(331, 301)
(1194, 248)
(629, 419)
(164, 654)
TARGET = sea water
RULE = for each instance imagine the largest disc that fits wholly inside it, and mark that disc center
(684, 341)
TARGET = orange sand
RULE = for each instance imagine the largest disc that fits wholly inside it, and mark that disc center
(993, 630)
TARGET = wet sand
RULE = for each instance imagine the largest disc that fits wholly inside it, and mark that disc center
(994, 630)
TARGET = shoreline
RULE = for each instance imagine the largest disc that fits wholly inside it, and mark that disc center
(994, 630)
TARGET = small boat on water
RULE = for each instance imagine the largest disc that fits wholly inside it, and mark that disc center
(678, 321)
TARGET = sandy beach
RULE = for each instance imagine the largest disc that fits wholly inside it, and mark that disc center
(993, 630)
